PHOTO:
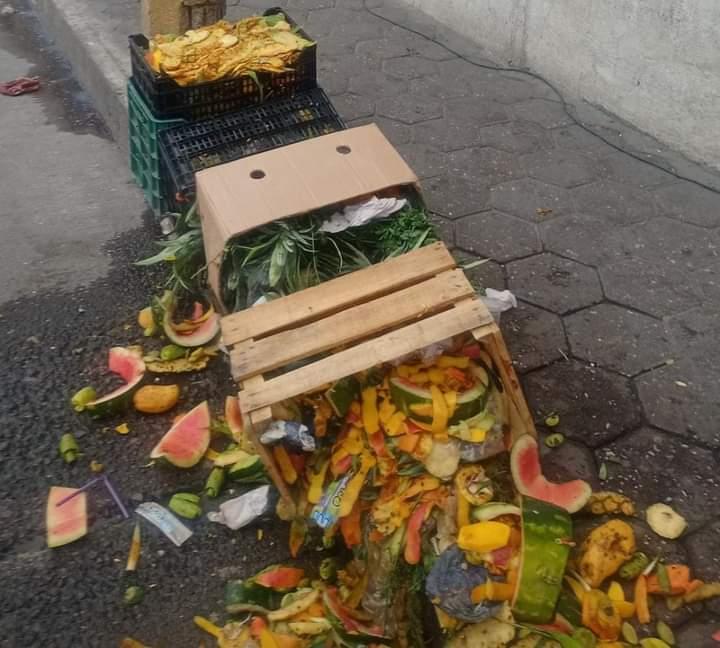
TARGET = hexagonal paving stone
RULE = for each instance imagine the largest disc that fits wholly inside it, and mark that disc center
(704, 550)
(570, 460)
(396, 132)
(663, 395)
(575, 138)
(699, 633)
(409, 67)
(534, 337)
(518, 137)
(376, 84)
(454, 196)
(497, 236)
(589, 239)
(557, 284)
(622, 168)
(438, 87)
(470, 110)
(352, 106)
(690, 203)
(618, 339)
(485, 163)
(669, 241)
(652, 466)
(658, 289)
(531, 200)
(448, 134)
(379, 49)
(423, 160)
(358, 28)
(561, 167)
(549, 114)
(507, 89)
(445, 230)
(617, 202)
(594, 405)
(483, 273)
(409, 109)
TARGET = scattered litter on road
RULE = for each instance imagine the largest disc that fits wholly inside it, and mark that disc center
(164, 520)
(243, 510)
(19, 86)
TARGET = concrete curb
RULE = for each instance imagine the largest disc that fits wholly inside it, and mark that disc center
(100, 66)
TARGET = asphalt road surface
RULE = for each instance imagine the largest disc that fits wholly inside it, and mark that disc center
(71, 225)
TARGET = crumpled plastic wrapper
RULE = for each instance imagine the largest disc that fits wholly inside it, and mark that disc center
(354, 215)
(241, 511)
(494, 444)
(450, 582)
(294, 434)
(498, 301)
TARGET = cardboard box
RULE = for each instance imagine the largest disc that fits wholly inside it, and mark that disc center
(293, 180)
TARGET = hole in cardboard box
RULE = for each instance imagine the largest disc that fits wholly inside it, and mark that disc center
(343, 149)
(257, 174)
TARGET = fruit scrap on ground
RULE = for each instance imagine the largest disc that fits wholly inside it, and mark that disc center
(67, 522)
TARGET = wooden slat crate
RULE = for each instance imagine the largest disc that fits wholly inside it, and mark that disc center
(353, 323)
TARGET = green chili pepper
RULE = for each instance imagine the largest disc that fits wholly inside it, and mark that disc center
(328, 570)
(172, 352)
(663, 578)
(69, 449)
(215, 482)
(554, 440)
(635, 566)
(185, 505)
(133, 595)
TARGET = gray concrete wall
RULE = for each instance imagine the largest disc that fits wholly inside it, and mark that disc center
(654, 63)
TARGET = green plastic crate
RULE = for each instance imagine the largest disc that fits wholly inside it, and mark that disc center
(144, 130)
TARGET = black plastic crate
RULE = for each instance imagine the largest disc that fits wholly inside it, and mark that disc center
(189, 148)
(170, 100)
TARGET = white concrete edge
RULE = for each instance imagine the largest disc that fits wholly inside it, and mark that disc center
(101, 67)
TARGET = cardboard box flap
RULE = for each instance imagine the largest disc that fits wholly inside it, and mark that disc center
(292, 180)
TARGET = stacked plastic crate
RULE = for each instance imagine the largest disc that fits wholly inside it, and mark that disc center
(177, 130)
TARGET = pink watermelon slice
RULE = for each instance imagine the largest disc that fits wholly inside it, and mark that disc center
(233, 417)
(130, 367)
(187, 440)
(68, 522)
(529, 480)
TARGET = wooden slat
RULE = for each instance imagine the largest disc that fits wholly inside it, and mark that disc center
(255, 425)
(358, 322)
(464, 317)
(521, 420)
(337, 294)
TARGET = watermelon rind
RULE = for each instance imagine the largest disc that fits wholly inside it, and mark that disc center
(119, 399)
(249, 467)
(546, 537)
(403, 394)
(161, 451)
(342, 394)
(571, 495)
(493, 510)
(207, 330)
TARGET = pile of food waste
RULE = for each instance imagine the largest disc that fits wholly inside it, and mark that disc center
(227, 50)
(432, 513)
(411, 473)
(290, 255)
